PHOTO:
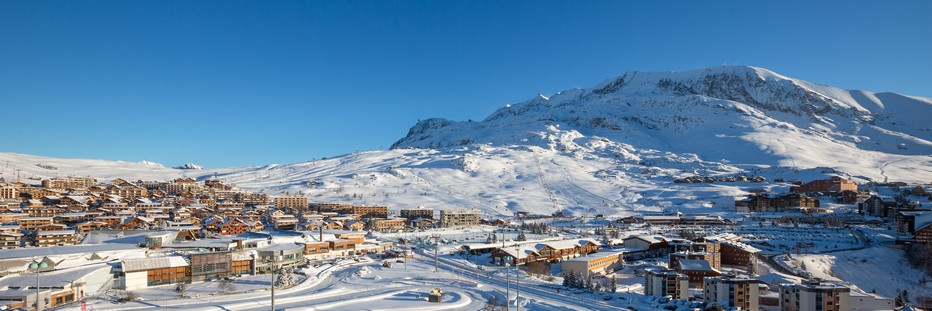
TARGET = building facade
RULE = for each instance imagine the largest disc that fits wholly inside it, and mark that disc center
(459, 218)
(663, 283)
(730, 291)
(814, 296)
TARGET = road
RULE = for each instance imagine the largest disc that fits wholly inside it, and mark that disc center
(336, 289)
(532, 292)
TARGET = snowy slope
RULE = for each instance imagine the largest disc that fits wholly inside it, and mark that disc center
(727, 114)
(613, 149)
(31, 168)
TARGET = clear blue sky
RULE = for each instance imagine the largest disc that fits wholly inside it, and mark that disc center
(228, 83)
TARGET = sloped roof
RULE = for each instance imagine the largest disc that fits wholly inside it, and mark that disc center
(521, 252)
(143, 264)
(695, 265)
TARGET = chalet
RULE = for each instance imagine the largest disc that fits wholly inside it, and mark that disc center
(10, 240)
(333, 225)
(12, 217)
(233, 226)
(137, 223)
(250, 215)
(284, 222)
(555, 251)
(422, 223)
(30, 223)
(181, 213)
(193, 220)
(54, 238)
(516, 255)
(255, 226)
(78, 202)
(355, 225)
(92, 225)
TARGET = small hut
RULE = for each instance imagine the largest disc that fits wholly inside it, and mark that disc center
(435, 295)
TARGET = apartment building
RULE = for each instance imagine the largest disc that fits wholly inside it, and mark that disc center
(415, 213)
(47, 238)
(31, 223)
(10, 240)
(594, 263)
(371, 211)
(293, 202)
(666, 283)
(732, 291)
(8, 191)
(814, 295)
(388, 224)
(459, 218)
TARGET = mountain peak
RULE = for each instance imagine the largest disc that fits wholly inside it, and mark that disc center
(713, 112)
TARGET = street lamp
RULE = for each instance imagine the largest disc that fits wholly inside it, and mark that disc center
(38, 265)
(274, 269)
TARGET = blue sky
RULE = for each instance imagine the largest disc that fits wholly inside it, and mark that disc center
(230, 83)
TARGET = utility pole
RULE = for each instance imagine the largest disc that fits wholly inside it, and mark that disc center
(517, 281)
(436, 253)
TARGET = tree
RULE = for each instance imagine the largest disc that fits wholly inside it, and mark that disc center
(752, 267)
(521, 236)
(226, 285)
(613, 286)
(181, 287)
(128, 296)
(491, 304)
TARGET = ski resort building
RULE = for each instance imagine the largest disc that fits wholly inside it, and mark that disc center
(144, 272)
(459, 218)
(732, 291)
(665, 282)
(594, 263)
(815, 295)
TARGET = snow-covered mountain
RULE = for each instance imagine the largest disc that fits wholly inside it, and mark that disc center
(729, 114)
(612, 149)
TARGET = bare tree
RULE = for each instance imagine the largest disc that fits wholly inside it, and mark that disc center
(181, 287)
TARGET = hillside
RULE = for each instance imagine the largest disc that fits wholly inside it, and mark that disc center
(613, 149)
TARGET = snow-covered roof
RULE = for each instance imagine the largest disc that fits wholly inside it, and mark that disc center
(742, 246)
(54, 232)
(53, 278)
(598, 255)
(522, 251)
(565, 244)
(143, 264)
(62, 250)
(281, 247)
(695, 265)
(649, 238)
(922, 221)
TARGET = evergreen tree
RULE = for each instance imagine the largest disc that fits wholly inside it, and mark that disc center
(521, 236)
(614, 285)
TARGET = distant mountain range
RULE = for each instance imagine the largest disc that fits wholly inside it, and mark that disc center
(611, 149)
